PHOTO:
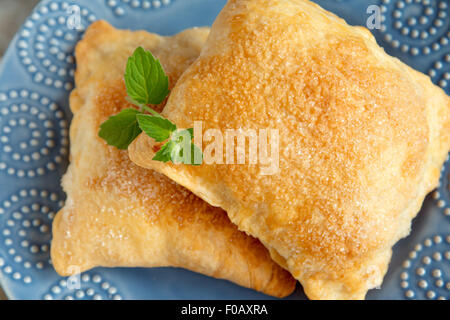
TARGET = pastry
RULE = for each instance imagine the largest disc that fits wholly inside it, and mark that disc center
(119, 214)
(362, 139)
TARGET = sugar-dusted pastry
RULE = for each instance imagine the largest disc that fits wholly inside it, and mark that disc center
(362, 138)
(119, 214)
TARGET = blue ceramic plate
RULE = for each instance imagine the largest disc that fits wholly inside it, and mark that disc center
(36, 77)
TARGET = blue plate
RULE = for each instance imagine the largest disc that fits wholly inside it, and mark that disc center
(36, 77)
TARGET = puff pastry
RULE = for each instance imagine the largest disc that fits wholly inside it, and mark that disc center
(118, 214)
(362, 140)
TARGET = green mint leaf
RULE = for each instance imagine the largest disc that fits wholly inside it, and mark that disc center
(143, 107)
(191, 132)
(196, 161)
(183, 142)
(151, 111)
(177, 154)
(146, 84)
(156, 127)
(164, 154)
(120, 130)
(145, 79)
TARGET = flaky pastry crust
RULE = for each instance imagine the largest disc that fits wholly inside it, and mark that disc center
(362, 140)
(119, 214)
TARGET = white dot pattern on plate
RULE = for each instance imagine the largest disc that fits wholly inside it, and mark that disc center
(46, 43)
(121, 7)
(442, 194)
(416, 27)
(440, 72)
(86, 286)
(425, 274)
(34, 134)
(25, 226)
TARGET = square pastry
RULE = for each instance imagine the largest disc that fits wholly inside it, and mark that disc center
(119, 214)
(359, 139)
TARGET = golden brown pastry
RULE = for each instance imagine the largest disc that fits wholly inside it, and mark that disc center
(118, 214)
(362, 140)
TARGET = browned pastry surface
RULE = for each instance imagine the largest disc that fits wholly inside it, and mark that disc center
(362, 140)
(119, 214)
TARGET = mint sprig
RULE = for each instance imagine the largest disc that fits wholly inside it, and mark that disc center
(145, 79)
(121, 129)
(156, 127)
(146, 84)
